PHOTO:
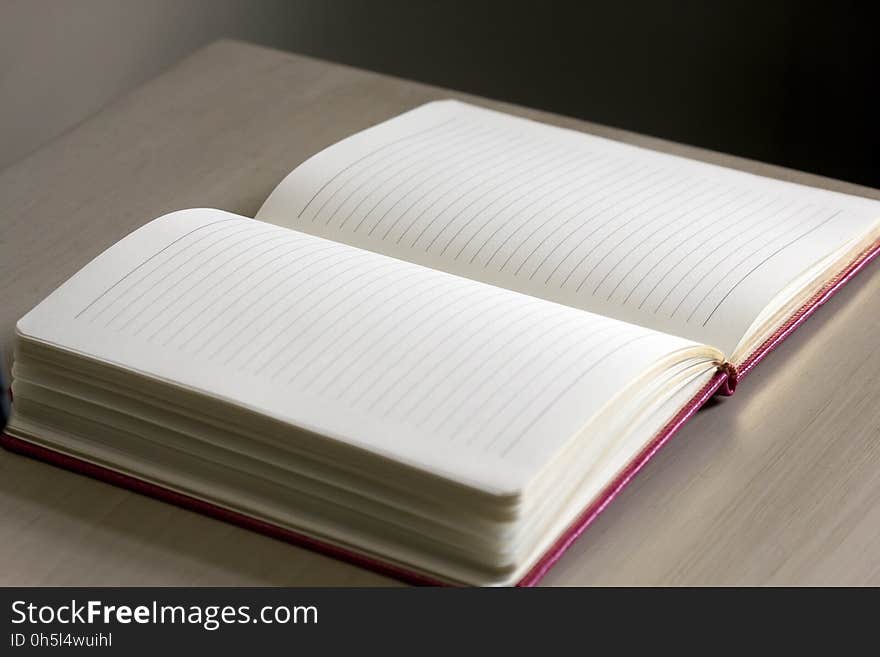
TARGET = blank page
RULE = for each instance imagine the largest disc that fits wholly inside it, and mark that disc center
(467, 380)
(666, 242)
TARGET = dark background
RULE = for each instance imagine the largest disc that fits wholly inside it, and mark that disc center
(793, 83)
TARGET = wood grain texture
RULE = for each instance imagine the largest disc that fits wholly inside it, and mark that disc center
(779, 484)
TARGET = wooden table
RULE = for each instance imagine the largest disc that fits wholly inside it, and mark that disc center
(779, 484)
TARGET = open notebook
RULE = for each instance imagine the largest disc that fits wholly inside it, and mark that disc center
(443, 347)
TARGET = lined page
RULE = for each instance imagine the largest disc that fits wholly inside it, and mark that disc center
(669, 243)
(465, 379)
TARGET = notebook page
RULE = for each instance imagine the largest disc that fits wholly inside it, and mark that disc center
(467, 380)
(680, 246)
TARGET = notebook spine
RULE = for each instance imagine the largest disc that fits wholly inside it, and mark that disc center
(731, 378)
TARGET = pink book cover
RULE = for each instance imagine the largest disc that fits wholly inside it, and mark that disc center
(724, 383)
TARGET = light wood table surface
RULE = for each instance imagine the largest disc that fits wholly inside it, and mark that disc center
(779, 484)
